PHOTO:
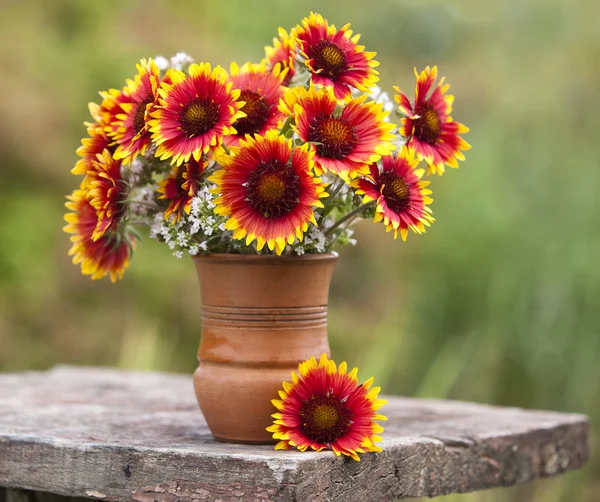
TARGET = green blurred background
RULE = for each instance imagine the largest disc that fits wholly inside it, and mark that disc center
(497, 303)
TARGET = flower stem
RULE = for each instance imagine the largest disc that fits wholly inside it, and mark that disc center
(332, 194)
(141, 203)
(140, 223)
(213, 240)
(350, 216)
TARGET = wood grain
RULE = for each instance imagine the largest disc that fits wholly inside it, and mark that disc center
(120, 436)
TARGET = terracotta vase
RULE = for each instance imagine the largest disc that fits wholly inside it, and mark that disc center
(261, 317)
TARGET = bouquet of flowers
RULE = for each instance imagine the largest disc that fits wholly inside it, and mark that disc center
(282, 156)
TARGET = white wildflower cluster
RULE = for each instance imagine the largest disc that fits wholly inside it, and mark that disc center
(321, 238)
(202, 218)
(314, 239)
(192, 233)
(317, 240)
(179, 61)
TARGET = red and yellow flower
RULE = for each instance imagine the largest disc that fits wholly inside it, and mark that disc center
(345, 142)
(97, 142)
(180, 187)
(283, 53)
(325, 407)
(268, 191)
(334, 57)
(260, 90)
(106, 112)
(107, 255)
(132, 133)
(194, 113)
(107, 193)
(402, 200)
(430, 131)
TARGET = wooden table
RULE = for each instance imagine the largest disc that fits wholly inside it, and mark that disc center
(118, 436)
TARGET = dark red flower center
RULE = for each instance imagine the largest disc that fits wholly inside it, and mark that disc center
(273, 189)
(336, 137)
(325, 419)
(139, 118)
(395, 191)
(198, 117)
(257, 113)
(329, 59)
(428, 125)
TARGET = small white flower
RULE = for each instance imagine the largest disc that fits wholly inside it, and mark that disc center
(162, 63)
(181, 59)
(195, 207)
(328, 222)
(137, 166)
(203, 245)
(195, 228)
(194, 250)
(178, 254)
(319, 239)
(299, 250)
(375, 92)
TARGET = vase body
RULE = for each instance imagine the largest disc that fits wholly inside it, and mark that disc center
(261, 317)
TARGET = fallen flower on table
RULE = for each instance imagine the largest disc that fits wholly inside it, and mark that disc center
(326, 408)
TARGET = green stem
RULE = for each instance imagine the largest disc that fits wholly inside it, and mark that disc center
(334, 240)
(213, 240)
(331, 196)
(141, 203)
(350, 216)
(140, 223)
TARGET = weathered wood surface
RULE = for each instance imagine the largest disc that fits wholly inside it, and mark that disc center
(120, 436)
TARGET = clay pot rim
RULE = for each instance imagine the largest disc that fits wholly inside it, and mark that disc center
(228, 258)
